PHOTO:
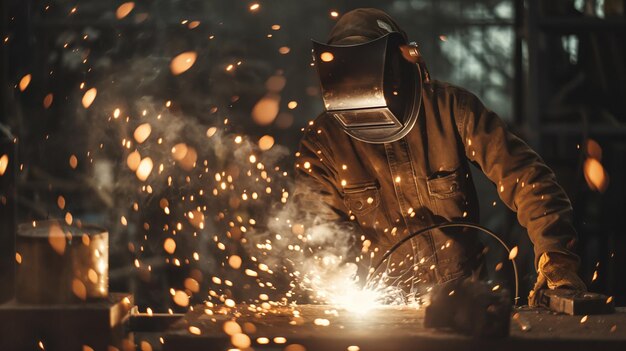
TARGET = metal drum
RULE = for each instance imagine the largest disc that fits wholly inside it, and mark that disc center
(58, 263)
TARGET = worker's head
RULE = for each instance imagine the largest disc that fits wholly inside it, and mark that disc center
(370, 83)
(362, 25)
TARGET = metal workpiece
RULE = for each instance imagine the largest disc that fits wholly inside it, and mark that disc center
(574, 302)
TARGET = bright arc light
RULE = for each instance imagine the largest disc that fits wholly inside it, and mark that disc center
(357, 300)
(338, 287)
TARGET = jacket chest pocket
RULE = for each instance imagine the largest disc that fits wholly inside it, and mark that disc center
(365, 204)
(362, 199)
(446, 184)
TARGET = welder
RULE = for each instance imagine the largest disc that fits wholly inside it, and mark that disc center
(391, 152)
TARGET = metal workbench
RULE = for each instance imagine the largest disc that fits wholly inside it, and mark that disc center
(391, 328)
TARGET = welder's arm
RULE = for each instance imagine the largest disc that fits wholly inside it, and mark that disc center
(527, 186)
(315, 193)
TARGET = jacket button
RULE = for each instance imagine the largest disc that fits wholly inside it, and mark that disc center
(358, 205)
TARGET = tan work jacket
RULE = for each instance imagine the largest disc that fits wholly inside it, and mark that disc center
(390, 190)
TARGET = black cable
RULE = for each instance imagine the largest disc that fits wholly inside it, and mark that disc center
(448, 225)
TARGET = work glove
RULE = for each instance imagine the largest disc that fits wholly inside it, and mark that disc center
(556, 270)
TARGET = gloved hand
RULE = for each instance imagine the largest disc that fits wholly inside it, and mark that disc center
(556, 270)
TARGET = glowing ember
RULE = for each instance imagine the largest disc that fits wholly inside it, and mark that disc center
(73, 161)
(144, 169)
(142, 132)
(124, 9)
(69, 219)
(595, 175)
(79, 289)
(262, 340)
(47, 101)
(89, 97)
(211, 131)
(266, 110)
(92, 276)
(192, 285)
(254, 7)
(25, 81)
(56, 238)
(266, 142)
(231, 328)
(513, 253)
(280, 340)
(327, 56)
(179, 151)
(133, 160)
(181, 298)
(234, 261)
(169, 245)
(240, 340)
(183, 62)
(4, 163)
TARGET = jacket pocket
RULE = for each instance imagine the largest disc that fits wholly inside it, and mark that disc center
(362, 199)
(445, 184)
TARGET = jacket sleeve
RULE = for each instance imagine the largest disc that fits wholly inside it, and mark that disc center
(315, 192)
(524, 182)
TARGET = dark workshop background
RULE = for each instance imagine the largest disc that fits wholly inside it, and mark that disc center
(554, 70)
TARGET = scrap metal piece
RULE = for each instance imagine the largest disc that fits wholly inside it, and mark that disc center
(470, 307)
(575, 303)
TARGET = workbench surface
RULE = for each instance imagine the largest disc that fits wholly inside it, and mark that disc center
(391, 328)
(95, 324)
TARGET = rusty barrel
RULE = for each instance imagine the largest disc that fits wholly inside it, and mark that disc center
(59, 263)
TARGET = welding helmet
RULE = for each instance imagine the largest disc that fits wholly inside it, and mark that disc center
(373, 89)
